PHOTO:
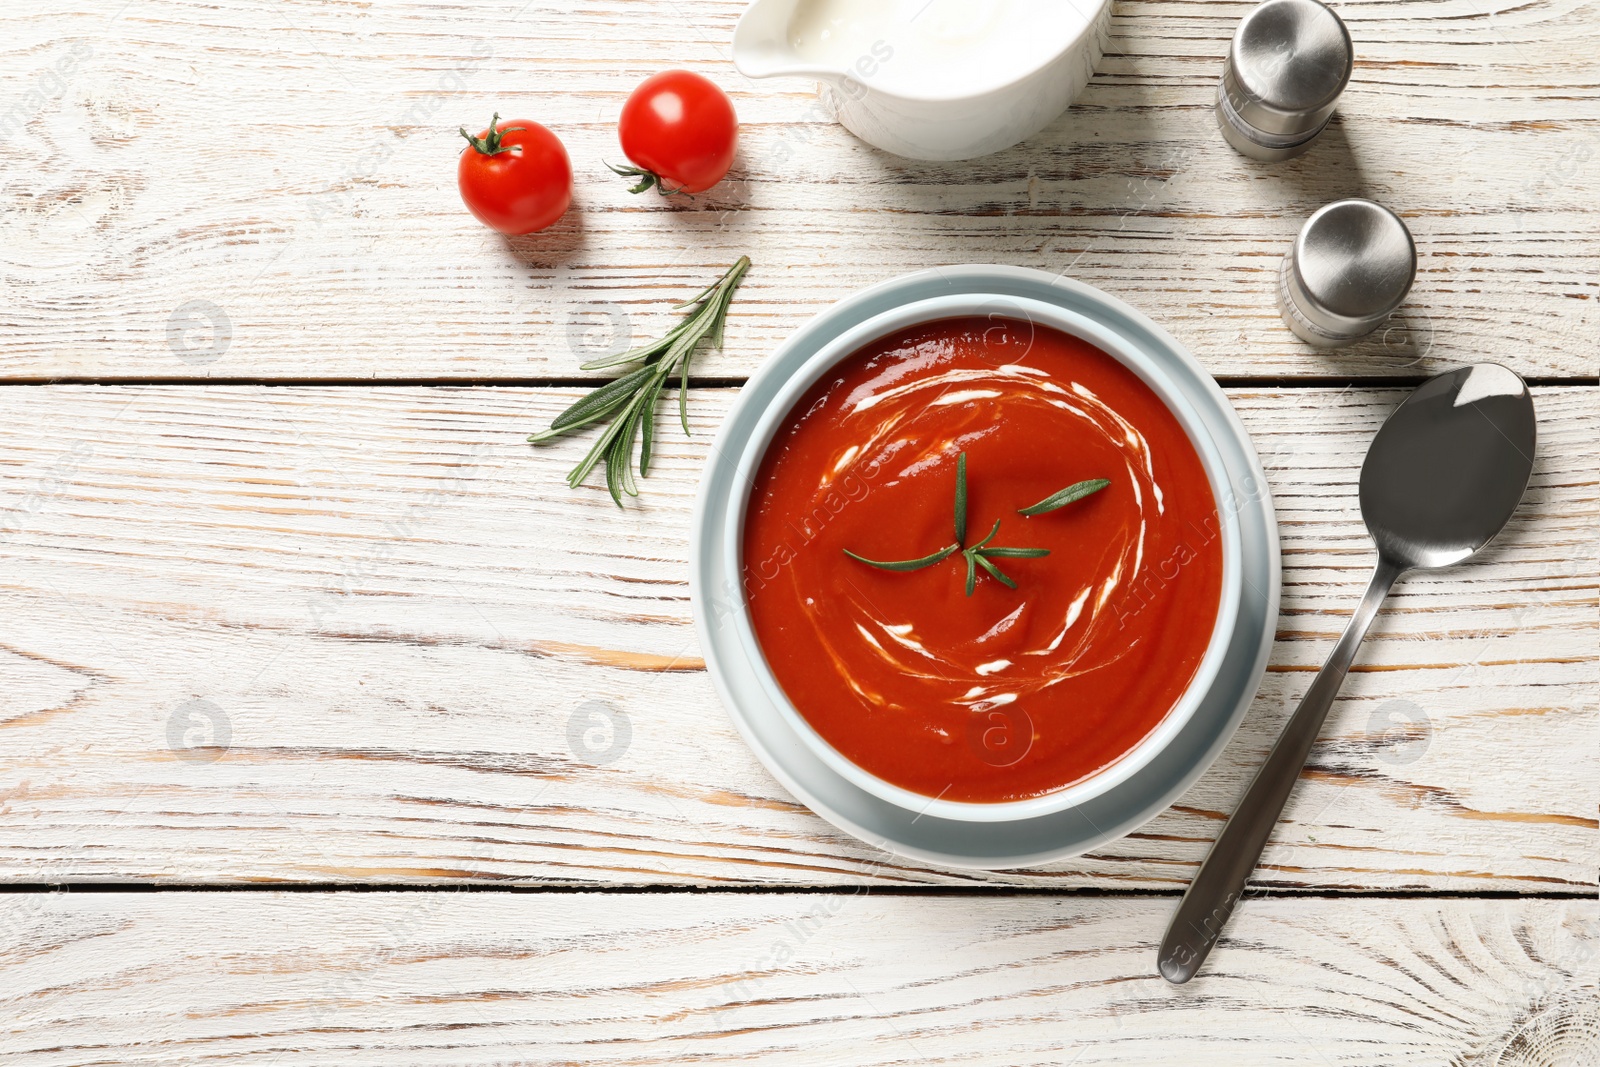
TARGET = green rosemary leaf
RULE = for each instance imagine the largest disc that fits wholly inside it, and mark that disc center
(1014, 553)
(907, 564)
(544, 435)
(726, 283)
(703, 323)
(642, 352)
(602, 400)
(972, 571)
(647, 433)
(594, 413)
(992, 569)
(683, 396)
(648, 424)
(632, 420)
(625, 447)
(695, 328)
(619, 460)
(727, 298)
(714, 287)
(1071, 493)
(677, 361)
(587, 464)
(718, 321)
(961, 499)
(613, 476)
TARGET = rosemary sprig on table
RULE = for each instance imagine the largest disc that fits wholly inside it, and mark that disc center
(975, 556)
(630, 401)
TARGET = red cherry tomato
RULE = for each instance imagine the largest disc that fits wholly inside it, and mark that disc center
(680, 131)
(517, 178)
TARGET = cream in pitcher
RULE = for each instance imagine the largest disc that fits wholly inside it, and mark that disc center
(930, 79)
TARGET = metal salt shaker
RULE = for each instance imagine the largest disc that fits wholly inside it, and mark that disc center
(1289, 61)
(1350, 267)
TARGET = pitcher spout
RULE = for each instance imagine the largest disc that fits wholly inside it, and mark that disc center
(761, 45)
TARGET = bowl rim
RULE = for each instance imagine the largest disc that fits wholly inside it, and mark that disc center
(1147, 368)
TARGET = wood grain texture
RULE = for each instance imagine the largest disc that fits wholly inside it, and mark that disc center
(267, 190)
(359, 636)
(353, 634)
(474, 980)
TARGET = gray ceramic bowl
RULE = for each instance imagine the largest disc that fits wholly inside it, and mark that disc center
(774, 416)
(1069, 820)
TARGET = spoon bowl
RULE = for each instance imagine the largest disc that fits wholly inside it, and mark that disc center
(1440, 480)
(1447, 470)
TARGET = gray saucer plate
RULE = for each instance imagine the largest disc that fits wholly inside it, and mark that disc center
(949, 842)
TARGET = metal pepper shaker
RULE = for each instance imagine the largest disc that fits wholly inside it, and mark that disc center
(1350, 267)
(1289, 61)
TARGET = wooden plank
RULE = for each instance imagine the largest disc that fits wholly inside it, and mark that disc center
(266, 190)
(287, 979)
(354, 634)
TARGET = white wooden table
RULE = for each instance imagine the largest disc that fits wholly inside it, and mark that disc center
(300, 638)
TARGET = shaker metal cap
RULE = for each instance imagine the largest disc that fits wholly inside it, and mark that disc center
(1351, 266)
(1289, 61)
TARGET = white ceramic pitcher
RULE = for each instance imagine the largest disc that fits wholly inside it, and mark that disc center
(1002, 75)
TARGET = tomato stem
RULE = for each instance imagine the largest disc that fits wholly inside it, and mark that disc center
(489, 144)
(647, 179)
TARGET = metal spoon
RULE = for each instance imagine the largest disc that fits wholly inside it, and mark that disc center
(1443, 475)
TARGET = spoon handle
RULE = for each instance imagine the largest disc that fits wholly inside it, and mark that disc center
(1216, 889)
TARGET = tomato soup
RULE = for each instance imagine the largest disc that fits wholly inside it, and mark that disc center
(1002, 694)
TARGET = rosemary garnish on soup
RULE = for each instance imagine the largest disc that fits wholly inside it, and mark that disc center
(978, 556)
